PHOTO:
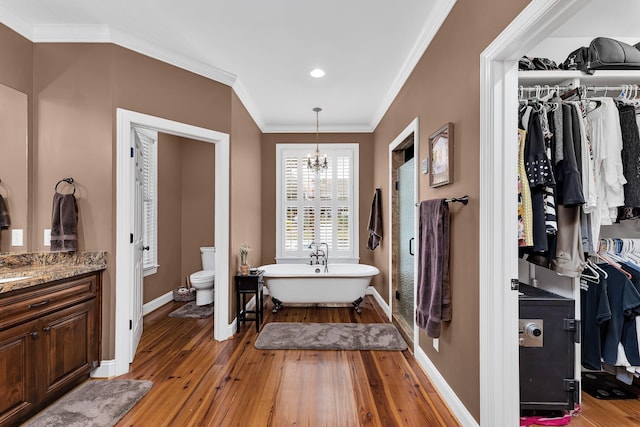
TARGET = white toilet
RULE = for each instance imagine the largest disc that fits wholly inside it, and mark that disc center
(203, 280)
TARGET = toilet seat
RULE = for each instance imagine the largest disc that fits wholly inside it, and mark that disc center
(202, 276)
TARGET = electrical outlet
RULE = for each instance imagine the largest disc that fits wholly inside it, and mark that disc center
(436, 344)
(16, 237)
(47, 237)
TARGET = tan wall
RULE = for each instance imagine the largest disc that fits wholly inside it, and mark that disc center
(444, 87)
(247, 165)
(197, 202)
(269, 141)
(185, 211)
(16, 72)
(77, 88)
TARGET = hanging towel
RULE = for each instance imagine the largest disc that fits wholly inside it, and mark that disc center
(375, 221)
(5, 221)
(64, 223)
(434, 292)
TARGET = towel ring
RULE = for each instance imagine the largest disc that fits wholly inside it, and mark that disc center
(68, 181)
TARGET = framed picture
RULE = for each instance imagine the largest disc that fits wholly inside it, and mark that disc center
(441, 156)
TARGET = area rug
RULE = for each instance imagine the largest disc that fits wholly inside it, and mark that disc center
(193, 311)
(605, 386)
(330, 336)
(95, 403)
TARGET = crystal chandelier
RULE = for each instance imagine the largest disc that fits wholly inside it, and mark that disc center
(316, 164)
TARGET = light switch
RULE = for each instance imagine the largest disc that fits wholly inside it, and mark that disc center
(47, 237)
(16, 237)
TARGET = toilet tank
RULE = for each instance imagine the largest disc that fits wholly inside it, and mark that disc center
(208, 256)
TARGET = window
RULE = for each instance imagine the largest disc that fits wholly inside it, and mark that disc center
(149, 140)
(317, 207)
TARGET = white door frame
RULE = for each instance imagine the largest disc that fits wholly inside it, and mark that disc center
(499, 351)
(413, 127)
(124, 224)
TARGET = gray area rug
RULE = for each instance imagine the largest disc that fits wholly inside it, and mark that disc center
(95, 403)
(193, 311)
(330, 336)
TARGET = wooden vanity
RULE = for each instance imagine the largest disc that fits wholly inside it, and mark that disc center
(50, 332)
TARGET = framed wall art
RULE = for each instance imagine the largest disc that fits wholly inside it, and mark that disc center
(441, 156)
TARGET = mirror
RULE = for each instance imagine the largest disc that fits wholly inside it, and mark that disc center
(13, 167)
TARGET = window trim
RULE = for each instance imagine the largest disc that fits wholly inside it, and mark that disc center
(151, 267)
(355, 202)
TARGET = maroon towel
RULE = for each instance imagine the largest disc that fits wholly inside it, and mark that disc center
(375, 221)
(434, 293)
(64, 223)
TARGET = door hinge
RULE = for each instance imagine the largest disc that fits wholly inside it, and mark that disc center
(570, 384)
(132, 152)
(130, 324)
(515, 284)
(572, 325)
(130, 237)
(398, 295)
(397, 184)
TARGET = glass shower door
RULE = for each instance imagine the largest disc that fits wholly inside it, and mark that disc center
(406, 243)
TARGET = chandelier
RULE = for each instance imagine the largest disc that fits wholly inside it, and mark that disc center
(316, 164)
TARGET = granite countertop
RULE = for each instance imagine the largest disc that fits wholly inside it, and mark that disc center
(20, 271)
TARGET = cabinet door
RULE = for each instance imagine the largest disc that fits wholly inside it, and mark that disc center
(17, 372)
(66, 350)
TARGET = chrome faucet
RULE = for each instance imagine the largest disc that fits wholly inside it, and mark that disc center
(325, 256)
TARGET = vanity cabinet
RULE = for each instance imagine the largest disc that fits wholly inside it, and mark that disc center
(49, 342)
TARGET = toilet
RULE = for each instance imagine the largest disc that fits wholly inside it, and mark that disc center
(203, 280)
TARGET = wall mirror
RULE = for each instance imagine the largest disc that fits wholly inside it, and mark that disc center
(13, 168)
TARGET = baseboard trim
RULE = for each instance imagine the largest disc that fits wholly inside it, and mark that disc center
(157, 303)
(451, 399)
(107, 369)
(381, 302)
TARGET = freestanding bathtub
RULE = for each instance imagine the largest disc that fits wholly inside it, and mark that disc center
(304, 283)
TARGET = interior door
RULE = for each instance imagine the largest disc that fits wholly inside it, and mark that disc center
(407, 242)
(138, 236)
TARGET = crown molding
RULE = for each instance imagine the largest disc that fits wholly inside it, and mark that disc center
(248, 103)
(16, 23)
(436, 18)
(311, 129)
(74, 33)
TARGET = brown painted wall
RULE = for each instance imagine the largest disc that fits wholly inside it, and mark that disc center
(185, 211)
(366, 152)
(16, 72)
(247, 166)
(444, 87)
(197, 202)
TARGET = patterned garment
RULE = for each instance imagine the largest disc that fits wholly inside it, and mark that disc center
(525, 211)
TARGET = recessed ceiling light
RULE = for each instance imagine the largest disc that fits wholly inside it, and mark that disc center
(317, 73)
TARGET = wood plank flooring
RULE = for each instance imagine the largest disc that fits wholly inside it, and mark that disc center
(201, 382)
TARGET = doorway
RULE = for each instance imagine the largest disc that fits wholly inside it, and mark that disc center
(125, 217)
(499, 350)
(403, 196)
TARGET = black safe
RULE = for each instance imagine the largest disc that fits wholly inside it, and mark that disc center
(547, 333)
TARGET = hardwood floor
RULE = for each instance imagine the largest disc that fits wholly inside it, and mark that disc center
(201, 382)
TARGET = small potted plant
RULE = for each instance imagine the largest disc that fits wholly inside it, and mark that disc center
(244, 251)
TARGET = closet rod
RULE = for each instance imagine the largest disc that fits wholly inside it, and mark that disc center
(591, 88)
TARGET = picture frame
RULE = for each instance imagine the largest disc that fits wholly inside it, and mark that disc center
(441, 156)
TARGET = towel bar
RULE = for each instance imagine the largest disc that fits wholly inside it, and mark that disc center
(464, 200)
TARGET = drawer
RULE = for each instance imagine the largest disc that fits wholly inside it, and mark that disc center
(35, 302)
(249, 283)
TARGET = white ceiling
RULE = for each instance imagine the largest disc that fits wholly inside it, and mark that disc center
(264, 49)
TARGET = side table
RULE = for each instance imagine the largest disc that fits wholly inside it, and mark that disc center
(251, 284)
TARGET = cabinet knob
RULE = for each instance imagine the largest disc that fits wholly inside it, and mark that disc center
(46, 328)
(145, 248)
(34, 334)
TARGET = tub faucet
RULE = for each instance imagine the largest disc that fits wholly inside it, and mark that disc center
(325, 256)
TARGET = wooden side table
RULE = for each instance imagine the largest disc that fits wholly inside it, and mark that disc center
(251, 284)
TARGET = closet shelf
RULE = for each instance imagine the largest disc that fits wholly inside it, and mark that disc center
(601, 77)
